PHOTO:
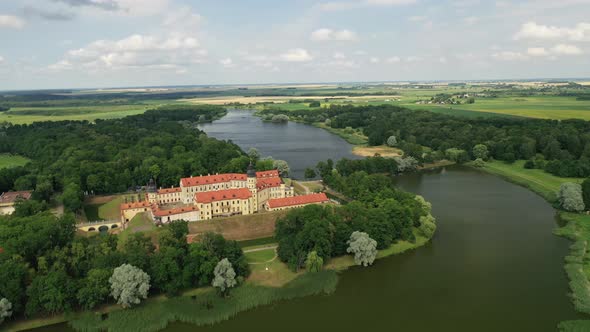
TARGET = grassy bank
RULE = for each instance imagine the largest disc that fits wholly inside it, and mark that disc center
(206, 308)
(537, 180)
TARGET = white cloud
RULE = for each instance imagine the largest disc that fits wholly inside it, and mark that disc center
(537, 51)
(393, 59)
(1, 59)
(509, 56)
(374, 60)
(565, 49)
(182, 19)
(338, 55)
(329, 34)
(471, 20)
(227, 62)
(347, 5)
(12, 22)
(532, 30)
(296, 55)
(122, 7)
(417, 18)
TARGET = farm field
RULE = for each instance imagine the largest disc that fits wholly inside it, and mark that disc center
(26, 115)
(8, 160)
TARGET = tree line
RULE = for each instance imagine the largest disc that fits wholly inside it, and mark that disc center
(46, 269)
(110, 156)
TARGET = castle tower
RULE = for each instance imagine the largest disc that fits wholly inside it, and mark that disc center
(251, 173)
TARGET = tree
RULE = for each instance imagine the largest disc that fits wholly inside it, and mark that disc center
(363, 247)
(479, 163)
(586, 192)
(5, 309)
(253, 154)
(225, 277)
(282, 167)
(480, 151)
(280, 118)
(310, 173)
(138, 248)
(314, 263)
(129, 285)
(13, 275)
(51, 293)
(392, 141)
(570, 197)
(94, 288)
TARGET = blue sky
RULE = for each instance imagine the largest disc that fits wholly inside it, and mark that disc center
(105, 43)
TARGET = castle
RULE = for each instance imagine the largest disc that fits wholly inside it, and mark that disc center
(220, 195)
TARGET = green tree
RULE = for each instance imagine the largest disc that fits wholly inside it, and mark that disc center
(5, 309)
(314, 263)
(138, 248)
(570, 197)
(94, 288)
(13, 276)
(363, 247)
(283, 167)
(129, 285)
(480, 151)
(155, 171)
(225, 277)
(586, 192)
(253, 154)
(392, 141)
(51, 293)
(166, 269)
(310, 173)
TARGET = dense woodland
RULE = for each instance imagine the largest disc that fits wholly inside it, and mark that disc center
(559, 147)
(109, 156)
(385, 213)
(45, 269)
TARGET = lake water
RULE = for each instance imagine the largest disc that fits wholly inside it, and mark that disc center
(300, 145)
(493, 264)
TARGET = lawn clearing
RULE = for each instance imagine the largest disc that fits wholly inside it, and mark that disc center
(260, 255)
(383, 150)
(10, 160)
(537, 180)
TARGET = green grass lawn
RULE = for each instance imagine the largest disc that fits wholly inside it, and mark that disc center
(140, 223)
(8, 160)
(539, 181)
(26, 115)
(260, 256)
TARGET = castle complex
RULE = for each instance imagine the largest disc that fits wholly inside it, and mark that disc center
(219, 195)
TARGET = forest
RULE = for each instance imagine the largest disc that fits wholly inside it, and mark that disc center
(385, 213)
(66, 273)
(561, 147)
(110, 156)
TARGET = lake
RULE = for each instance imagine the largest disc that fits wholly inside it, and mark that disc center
(493, 265)
(299, 144)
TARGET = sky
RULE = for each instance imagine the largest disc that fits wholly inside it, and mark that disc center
(52, 44)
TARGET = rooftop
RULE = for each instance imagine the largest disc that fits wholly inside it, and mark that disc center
(135, 205)
(211, 179)
(297, 200)
(169, 190)
(222, 195)
(268, 174)
(263, 183)
(12, 196)
(179, 210)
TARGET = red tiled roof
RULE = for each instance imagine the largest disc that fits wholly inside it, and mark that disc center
(12, 196)
(211, 179)
(179, 210)
(169, 190)
(135, 205)
(222, 195)
(297, 200)
(263, 183)
(268, 174)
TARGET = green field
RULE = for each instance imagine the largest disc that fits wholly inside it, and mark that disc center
(8, 160)
(260, 256)
(26, 115)
(537, 180)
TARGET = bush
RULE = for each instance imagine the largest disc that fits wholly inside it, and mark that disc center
(529, 164)
(479, 163)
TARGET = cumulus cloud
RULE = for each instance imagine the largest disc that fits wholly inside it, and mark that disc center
(1, 59)
(124, 7)
(296, 55)
(565, 49)
(537, 51)
(417, 18)
(347, 5)
(227, 62)
(329, 34)
(393, 59)
(509, 56)
(532, 30)
(12, 22)
(48, 14)
(102, 4)
(374, 60)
